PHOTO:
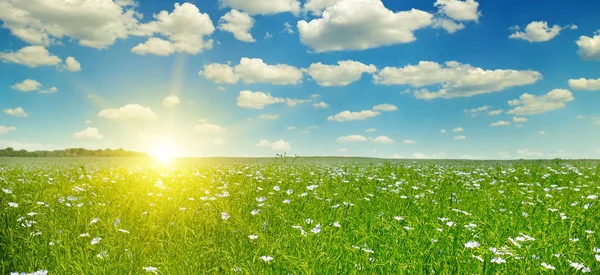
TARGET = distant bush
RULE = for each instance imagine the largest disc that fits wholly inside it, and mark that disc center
(71, 152)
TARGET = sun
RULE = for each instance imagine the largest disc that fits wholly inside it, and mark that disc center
(164, 153)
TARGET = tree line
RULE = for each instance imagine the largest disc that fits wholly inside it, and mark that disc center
(71, 152)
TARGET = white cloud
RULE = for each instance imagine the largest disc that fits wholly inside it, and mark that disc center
(6, 129)
(288, 28)
(171, 101)
(589, 47)
(239, 24)
(455, 79)
(475, 110)
(253, 70)
(408, 141)
(352, 138)
(537, 31)
(18, 112)
(280, 145)
(443, 131)
(320, 105)
(31, 56)
(458, 10)
(360, 25)
(495, 112)
(49, 91)
(529, 104)
(290, 128)
(270, 117)
(254, 7)
(95, 24)
(450, 26)
(541, 133)
(256, 100)
(219, 73)
(353, 116)
(208, 128)
(89, 133)
(371, 130)
(72, 64)
(342, 74)
(585, 84)
(383, 140)
(385, 107)
(129, 112)
(293, 102)
(316, 7)
(27, 85)
(263, 143)
(460, 137)
(458, 130)
(341, 150)
(520, 119)
(186, 29)
(500, 123)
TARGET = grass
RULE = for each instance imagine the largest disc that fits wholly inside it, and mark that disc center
(403, 217)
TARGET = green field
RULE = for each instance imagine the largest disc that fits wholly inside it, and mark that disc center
(310, 216)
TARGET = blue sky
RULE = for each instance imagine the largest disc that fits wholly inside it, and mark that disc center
(249, 78)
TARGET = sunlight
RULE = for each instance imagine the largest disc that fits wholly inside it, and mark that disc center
(164, 152)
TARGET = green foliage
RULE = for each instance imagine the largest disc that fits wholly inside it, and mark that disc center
(71, 152)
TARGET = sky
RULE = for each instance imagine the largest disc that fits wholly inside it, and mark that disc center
(391, 79)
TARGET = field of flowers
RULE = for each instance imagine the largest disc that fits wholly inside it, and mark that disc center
(316, 216)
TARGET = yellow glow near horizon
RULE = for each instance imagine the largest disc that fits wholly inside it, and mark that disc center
(164, 152)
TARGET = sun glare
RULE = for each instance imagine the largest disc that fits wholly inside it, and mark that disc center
(164, 153)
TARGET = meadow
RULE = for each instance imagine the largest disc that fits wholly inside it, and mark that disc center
(310, 216)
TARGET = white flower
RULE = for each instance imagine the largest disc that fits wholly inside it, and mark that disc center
(450, 224)
(547, 266)
(13, 204)
(290, 191)
(498, 260)
(95, 240)
(577, 266)
(7, 191)
(253, 237)
(317, 229)
(408, 228)
(116, 222)
(84, 235)
(266, 258)
(94, 220)
(398, 218)
(286, 201)
(254, 212)
(472, 244)
(102, 254)
(477, 257)
(336, 224)
(597, 258)
(123, 230)
(225, 216)
(308, 221)
(151, 269)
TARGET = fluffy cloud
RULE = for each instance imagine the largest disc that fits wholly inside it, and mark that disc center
(455, 79)
(72, 64)
(477, 110)
(520, 119)
(443, 131)
(408, 141)
(171, 101)
(353, 116)
(270, 117)
(129, 112)
(279, 145)
(360, 25)
(495, 112)
(207, 128)
(371, 130)
(256, 100)
(585, 84)
(89, 133)
(27, 85)
(316, 7)
(460, 137)
(352, 138)
(458, 10)
(589, 47)
(458, 130)
(385, 107)
(383, 140)
(31, 56)
(263, 7)
(342, 74)
(239, 24)
(536, 31)
(500, 123)
(95, 24)
(293, 102)
(529, 104)
(253, 70)
(49, 91)
(6, 129)
(320, 105)
(186, 28)
(18, 112)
